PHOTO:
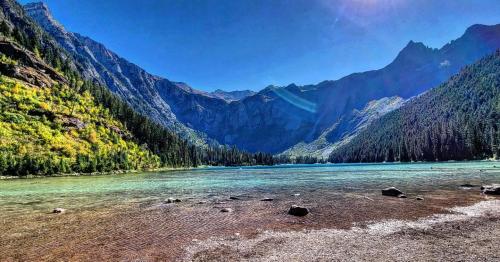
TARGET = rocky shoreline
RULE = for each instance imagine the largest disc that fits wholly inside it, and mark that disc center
(189, 228)
(467, 234)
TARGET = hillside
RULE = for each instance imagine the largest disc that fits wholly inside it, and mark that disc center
(138, 88)
(343, 131)
(56, 121)
(458, 120)
(49, 128)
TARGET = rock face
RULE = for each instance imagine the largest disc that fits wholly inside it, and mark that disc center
(298, 211)
(32, 70)
(276, 118)
(392, 191)
(137, 87)
(491, 189)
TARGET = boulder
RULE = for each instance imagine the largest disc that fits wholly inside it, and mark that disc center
(491, 189)
(392, 191)
(420, 198)
(226, 210)
(58, 210)
(298, 211)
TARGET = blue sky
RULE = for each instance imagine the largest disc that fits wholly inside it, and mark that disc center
(249, 44)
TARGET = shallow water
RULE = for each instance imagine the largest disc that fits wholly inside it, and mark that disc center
(40, 195)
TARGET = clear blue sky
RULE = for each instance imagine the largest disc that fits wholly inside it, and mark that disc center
(249, 44)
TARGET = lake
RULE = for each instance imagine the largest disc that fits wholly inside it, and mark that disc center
(86, 192)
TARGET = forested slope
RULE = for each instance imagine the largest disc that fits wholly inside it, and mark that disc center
(458, 120)
(54, 121)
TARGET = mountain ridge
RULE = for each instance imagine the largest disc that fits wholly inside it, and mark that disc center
(457, 120)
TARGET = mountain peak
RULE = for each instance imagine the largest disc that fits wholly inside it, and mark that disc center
(479, 28)
(41, 13)
(413, 53)
(37, 5)
(412, 45)
(39, 8)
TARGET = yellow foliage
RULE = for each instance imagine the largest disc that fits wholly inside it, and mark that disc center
(56, 139)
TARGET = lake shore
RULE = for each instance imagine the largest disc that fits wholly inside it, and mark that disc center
(196, 229)
(469, 233)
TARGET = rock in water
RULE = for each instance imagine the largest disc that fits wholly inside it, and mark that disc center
(58, 210)
(298, 211)
(491, 189)
(392, 191)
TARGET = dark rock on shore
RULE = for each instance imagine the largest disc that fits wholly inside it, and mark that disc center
(298, 211)
(467, 185)
(392, 191)
(267, 199)
(58, 210)
(234, 198)
(491, 189)
(420, 198)
(173, 200)
(226, 210)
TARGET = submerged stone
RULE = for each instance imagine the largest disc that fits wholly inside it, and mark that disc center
(392, 191)
(298, 211)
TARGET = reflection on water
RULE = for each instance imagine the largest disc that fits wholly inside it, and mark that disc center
(86, 192)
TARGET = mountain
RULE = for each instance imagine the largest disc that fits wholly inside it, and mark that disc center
(276, 118)
(133, 84)
(458, 120)
(232, 95)
(344, 130)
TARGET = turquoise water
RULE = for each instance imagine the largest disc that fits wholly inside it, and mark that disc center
(87, 192)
